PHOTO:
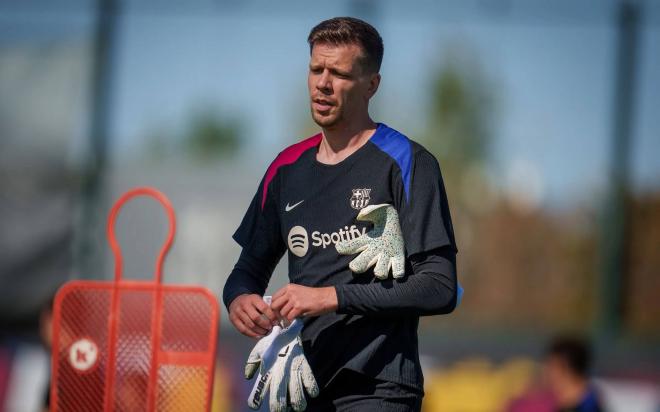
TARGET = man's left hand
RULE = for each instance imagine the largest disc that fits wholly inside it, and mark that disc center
(293, 301)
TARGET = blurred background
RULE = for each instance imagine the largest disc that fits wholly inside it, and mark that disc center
(544, 117)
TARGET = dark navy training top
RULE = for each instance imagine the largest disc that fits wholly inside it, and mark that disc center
(303, 207)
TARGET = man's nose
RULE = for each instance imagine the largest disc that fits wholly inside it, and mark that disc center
(323, 82)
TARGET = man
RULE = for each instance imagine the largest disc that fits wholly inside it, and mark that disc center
(566, 366)
(360, 333)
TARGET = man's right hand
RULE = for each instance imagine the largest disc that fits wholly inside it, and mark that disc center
(252, 316)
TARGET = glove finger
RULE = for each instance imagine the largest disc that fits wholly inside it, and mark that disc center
(363, 262)
(382, 267)
(296, 395)
(392, 216)
(308, 378)
(393, 226)
(257, 351)
(259, 390)
(277, 398)
(254, 360)
(278, 384)
(251, 368)
(398, 266)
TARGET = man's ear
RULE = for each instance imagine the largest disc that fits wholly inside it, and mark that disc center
(374, 82)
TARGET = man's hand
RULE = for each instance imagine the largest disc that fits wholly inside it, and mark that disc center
(293, 301)
(252, 316)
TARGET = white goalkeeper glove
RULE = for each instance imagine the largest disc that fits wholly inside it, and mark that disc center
(381, 246)
(283, 368)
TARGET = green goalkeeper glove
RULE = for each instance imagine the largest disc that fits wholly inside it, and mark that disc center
(381, 246)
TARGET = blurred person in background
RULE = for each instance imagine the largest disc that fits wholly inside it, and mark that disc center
(566, 367)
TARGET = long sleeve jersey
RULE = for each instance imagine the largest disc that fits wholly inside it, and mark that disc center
(304, 207)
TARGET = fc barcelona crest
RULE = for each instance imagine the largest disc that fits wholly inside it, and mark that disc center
(360, 198)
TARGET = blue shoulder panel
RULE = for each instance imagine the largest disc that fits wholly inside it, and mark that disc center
(398, 147)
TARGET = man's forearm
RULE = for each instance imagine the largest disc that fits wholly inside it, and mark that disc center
(430, 290)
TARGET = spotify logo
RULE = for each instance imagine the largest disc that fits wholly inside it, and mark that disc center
(298, 241)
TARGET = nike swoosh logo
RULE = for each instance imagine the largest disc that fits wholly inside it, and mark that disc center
(289, 208)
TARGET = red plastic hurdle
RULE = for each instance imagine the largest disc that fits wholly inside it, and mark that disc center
(128, 345)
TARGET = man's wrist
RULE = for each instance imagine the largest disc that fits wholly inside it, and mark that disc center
(331, 303)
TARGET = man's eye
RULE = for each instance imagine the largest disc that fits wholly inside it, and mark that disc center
(315, 70)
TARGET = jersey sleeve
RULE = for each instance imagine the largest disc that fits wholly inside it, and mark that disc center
(259, 236)
(431, 290)
(423, 207)
(259, 231)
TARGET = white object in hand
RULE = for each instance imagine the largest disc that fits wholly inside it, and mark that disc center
(282, 367)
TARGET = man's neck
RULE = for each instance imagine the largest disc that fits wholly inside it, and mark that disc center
(341, 141)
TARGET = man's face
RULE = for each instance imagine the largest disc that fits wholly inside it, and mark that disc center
(339, 86)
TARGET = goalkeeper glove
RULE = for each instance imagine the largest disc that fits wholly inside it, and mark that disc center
(282, 367)
(381, 246)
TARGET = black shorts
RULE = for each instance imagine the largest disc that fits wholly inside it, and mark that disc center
(351, 391)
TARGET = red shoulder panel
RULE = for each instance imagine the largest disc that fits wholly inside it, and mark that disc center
(287, 157)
